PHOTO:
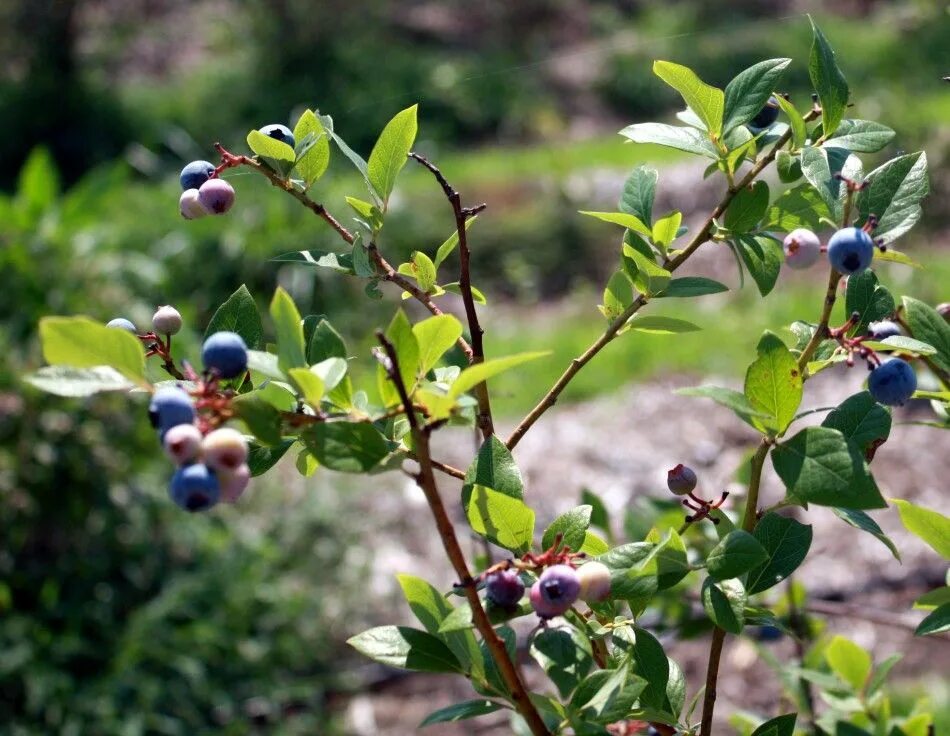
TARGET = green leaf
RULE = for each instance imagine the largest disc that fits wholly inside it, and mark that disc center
(881, 672)
(773, 384)
(290, 346)
(262, 458)
(666, 229)
(476, 374)
(624, 219)
(606, 695)
(928, 325)
(747, 208)
(564, 654)
(312, 162)
(704, 100)
(80, 342)
(819, 466)
(451, 243)
(901, 344)
(689, 286)
(786, 543)
(405, 648)
(652, 664)
(861, 420)
(572, 525)
(860, 520)
(267, 147)
(672, 136)
(657, 324)
(262, 419)
(461, 711)
(724, 602)
(737, 553)
(349, 447)
(828, 81)
(325, 342)
(778, 726)
(340, 262)
(763, 257)
(353, 156)
(648, 276)
(849, 661)
(618, 295)
(931, 526)
(860, 136)
(788, 166)
(869, 299)
(633, 570)
(802, 206)
(726, 397)
(239, 314)
(310, 385)
(390, 152)
(434, 337)
(400, 334)
(265, 364)
(818, 172)
(936, 622)
(639, 191)
(894, 195)
(795, 121)
(750, 89)
(63, 380)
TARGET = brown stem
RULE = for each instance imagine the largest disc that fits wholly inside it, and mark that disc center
(475, 330)
(448, 469)
(427, 482)
(712, 677)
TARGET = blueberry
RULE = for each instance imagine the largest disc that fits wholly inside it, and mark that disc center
(279, 132)
(504, 588)
(765, 117)
(194, 487)
(802, 248)
(182, 443)
(884, 329)
(892, 382)
(769, 633)
(595, 581)
(170, 407)
(166, 320)
(943, 309)
(234, 482)
(224, 449)
(850, 250)
(555, 591)
(121, 323)
(216, 196)
(226, 353)
(681, 480)
(195, 174)
(190, 206)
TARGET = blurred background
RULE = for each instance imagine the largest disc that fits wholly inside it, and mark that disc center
(119, 614)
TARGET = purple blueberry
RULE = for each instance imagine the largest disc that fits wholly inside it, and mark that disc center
(195, 174)
(595, 581)
(884, 329)
(194, 487)
(234, 482)
(182, 443)
(504, 588)
(555, 591)
(765, 117)
(216, 196)
(170, 407)
(121, 323)
(802, 248)
(279, 132)
(225, 353)
(850, 250)
(892, 382)
(681, 480)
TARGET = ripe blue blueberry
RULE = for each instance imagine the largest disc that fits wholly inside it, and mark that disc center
(504, 588)
(765, 117)
(195, 174)
(802, 248)
(555, 591)
(170, 407)
(216, 196)
(850, 250)
(122, 323)
(279, 132)
(884, 329)
(681, 480)
(892, 382)
(194, 487)
(225, 353)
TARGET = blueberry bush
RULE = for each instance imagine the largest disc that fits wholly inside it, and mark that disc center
(255, 397)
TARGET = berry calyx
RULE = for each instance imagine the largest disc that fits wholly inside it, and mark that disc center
(802, 248)
(225, 353)
(190, 206)
(234, 483)
(595, 581)
(681, 480)
(170, 407)
(504, 588)
(884, 329)
(182, 443)
(850, 250)
(555, 591)
(121, 323)
(224, 449)
(166, 320)
(216, 196)
(194, 487)
(195, 174)
(279, 132)
(893, 382)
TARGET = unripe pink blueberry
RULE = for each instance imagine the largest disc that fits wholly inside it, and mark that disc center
(182, 443)
(555, 591)
(224, 450)
(595, 581)
(802, 248)
(234, 482)
(190, 206)
(943, 309)
(681, 480)
(166, 320)
(216, 196)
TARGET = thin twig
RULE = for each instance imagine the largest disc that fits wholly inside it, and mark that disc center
(427, 482)
(712, 677)
(476, 333)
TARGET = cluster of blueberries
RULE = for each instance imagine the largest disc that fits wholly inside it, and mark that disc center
(205, 194)
(554, 592)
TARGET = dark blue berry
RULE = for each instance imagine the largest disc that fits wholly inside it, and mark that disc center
(766, 116)
(884, 329)
(195, 174)
(279, 132)
(893, 382)
(769, 633)
(850, 250)
(504, 588)
(169, 408)
(225, 353)
(194, 487)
